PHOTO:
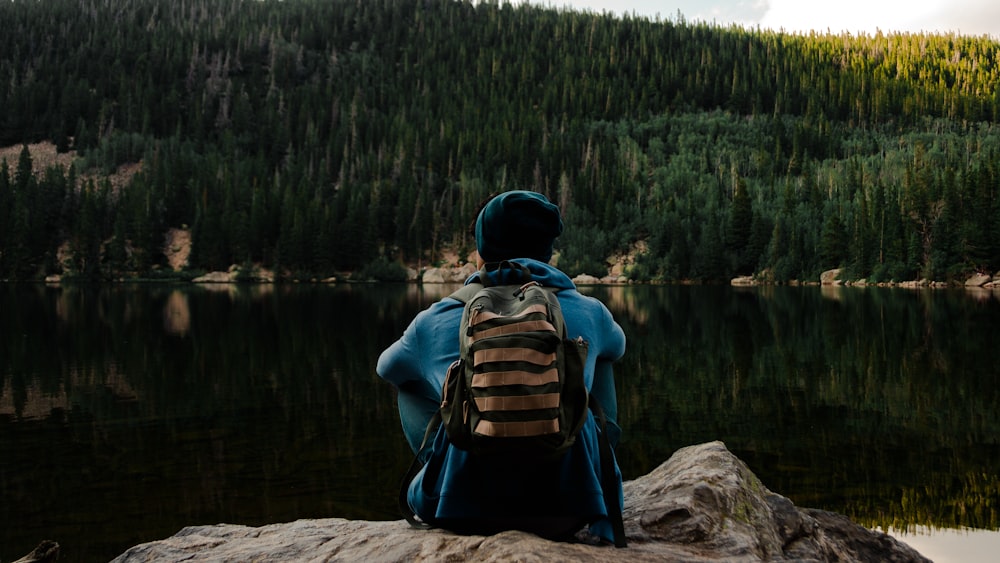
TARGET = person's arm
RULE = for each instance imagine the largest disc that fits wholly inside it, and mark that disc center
(604, 393)
(400, 364)
(415, 365)
(612, 348)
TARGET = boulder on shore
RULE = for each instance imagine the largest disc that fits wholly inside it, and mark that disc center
(448, 274)
(830, 277)
(978, 280)
(216, 277)
(702, 504)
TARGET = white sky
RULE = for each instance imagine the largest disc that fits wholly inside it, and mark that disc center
(968, 17)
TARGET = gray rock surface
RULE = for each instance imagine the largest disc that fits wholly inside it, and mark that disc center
(702, 504)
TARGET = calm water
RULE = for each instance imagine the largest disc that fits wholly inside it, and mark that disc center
(130, 411)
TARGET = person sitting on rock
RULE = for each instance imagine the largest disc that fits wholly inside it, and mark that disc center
(454, 489)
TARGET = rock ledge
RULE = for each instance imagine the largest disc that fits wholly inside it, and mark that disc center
(702, 504)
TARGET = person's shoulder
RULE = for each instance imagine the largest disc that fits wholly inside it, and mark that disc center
(443, 308)
(446, 304)
(571, 299)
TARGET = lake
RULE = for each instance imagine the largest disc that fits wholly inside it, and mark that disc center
(129, 411)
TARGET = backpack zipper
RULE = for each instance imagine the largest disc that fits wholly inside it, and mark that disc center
(520, 291)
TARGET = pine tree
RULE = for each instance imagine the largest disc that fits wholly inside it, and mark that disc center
(833, 242)
(740, 228)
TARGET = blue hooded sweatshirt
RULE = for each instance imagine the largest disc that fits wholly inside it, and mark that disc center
(455, 490)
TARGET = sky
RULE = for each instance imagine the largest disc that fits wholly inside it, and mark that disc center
(967, 17)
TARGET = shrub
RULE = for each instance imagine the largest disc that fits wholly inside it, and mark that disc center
(382, 269)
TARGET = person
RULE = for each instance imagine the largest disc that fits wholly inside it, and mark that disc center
(456, 491)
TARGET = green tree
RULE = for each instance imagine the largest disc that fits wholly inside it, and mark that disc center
(740, 228)
(833, 242)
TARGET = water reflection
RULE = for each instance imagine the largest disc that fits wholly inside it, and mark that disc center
(879, 403)
(136, 410)
(176, 314)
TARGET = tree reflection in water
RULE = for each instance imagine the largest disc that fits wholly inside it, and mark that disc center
(130, 411)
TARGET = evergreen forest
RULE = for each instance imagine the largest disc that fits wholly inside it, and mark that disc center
(353, 137)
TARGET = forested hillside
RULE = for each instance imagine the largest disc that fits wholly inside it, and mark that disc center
(329, 136)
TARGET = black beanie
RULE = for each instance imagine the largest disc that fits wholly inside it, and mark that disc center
(518, 224)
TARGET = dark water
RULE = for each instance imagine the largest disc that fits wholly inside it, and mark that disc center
(130, 411)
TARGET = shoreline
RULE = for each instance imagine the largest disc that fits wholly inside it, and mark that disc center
(458, 274)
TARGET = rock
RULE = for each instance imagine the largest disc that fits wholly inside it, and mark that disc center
(586, 279)
(433, 275)
(978, 280)
(743, 281)
(177, 248)
(702, 504)
(263, 275)
(464, 271)
(216, 277)
(46, 552)
(829, 277)
(448, 274)
(235, 273)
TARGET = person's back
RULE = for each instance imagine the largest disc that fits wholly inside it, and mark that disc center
(460, 491)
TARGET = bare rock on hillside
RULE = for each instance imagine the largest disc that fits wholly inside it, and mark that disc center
(43, 156)
(703, 504)
(177, 248)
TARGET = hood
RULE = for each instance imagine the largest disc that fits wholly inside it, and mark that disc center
(547, 275)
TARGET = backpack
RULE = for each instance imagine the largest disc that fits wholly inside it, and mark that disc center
(517, 389)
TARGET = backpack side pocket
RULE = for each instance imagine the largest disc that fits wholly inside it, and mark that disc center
(575, 395)
(454, 405)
